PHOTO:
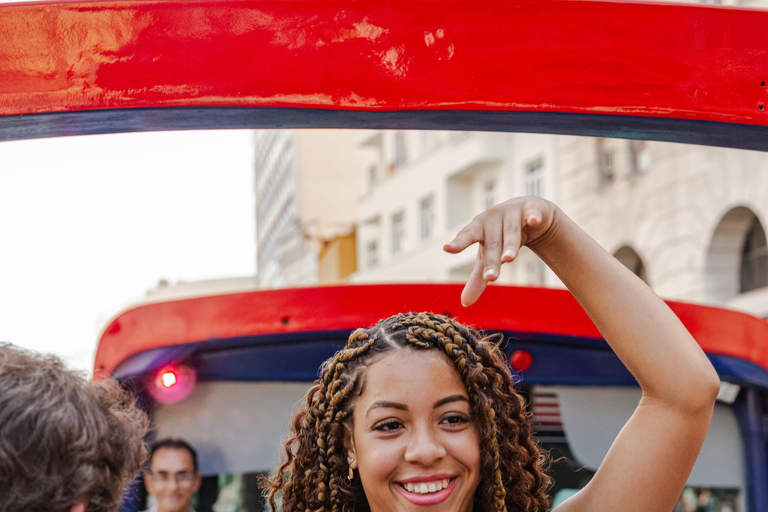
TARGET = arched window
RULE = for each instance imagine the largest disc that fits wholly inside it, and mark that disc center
(754, 259)
(401, 152)
(737, 260)
(630, 259)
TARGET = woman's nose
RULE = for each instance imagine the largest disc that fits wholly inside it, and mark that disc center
(424, 447)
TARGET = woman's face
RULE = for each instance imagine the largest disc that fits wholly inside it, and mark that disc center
(414, 443)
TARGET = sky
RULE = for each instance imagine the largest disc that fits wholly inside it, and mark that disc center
(89, 224)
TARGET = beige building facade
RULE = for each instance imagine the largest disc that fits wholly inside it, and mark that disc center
(693, 215)
(307, 185)
(688, 219)
(422, 187)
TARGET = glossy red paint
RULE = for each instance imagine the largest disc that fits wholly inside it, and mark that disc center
(532, 310)
(668, 61)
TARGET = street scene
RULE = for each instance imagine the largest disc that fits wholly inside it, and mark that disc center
(412, 257)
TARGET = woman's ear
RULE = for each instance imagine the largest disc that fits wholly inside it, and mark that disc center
(349, 446)
(80, 507)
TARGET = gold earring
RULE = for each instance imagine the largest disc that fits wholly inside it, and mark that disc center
(351, 475)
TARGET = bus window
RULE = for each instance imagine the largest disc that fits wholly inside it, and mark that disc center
(578, 424)
(239, 492)
(237, 429)
(706, 499)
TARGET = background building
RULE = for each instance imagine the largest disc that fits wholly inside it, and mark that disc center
(307, 186)
(687, 219)
(422, 187)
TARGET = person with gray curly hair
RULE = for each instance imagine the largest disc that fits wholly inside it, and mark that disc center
(67, 443)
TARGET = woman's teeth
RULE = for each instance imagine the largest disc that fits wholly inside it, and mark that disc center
(426, 488)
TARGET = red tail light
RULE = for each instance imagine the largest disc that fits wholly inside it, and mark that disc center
(521, 360)
(173, 383)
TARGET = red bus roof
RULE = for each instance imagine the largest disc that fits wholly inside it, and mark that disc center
(688, 73)
(501, 308)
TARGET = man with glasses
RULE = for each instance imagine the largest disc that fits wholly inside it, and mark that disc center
(173, 476)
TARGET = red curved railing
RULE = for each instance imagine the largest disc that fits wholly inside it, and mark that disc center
(627, 59)
(507, 308)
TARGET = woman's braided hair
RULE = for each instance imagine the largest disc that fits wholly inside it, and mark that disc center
(313, 475)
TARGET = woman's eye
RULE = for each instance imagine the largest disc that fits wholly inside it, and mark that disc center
(388, 426)
(455, 419)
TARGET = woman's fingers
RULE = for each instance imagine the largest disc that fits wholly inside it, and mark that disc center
(492, 244)
(470, 234)
(532, 215)
(512, 236)
(500, 232)
(475, 284)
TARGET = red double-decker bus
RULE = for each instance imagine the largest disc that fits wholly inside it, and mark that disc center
(226, 371)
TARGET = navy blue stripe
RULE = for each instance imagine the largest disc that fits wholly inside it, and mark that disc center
(90, 122)
(557, 360)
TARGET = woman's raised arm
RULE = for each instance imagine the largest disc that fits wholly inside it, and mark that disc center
(649, 462)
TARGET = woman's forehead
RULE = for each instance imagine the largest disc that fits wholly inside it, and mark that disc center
(411, 374)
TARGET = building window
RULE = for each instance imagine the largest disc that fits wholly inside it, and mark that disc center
(754, 259)
(427, 210)
(398, 232)
(606, 164)
(373, 177)
(372, 254)
(489, 193)
(639, 156)
(401, 155)
(534, 178)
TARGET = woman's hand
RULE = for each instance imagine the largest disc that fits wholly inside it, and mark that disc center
(501, 231)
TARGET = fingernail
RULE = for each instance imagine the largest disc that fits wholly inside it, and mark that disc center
(509, 253)
(489, 273)
(464, 305)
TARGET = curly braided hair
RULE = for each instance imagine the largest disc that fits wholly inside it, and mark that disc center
(312, 475)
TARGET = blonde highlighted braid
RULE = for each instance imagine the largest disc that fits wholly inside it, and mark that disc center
(313, 474)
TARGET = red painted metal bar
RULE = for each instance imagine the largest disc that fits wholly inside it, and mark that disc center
(628, 59)
(531, 310)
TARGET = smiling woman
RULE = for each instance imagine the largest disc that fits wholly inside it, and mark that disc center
(423, 410)
(420, 413)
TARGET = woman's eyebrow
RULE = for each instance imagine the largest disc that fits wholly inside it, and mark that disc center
(387, 405)
(450, 399)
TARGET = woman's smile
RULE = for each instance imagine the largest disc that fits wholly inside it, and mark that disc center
(427, 490)
(415, 444)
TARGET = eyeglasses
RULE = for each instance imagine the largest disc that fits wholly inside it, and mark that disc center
(183, 478)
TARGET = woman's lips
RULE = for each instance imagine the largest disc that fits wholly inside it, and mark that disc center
(429, 498)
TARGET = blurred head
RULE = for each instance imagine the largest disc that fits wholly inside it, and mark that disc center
(424, 412)
(66, 442)
(173, 476)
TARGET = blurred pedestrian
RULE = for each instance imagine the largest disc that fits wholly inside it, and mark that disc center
(67, 443)
(173, 477)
